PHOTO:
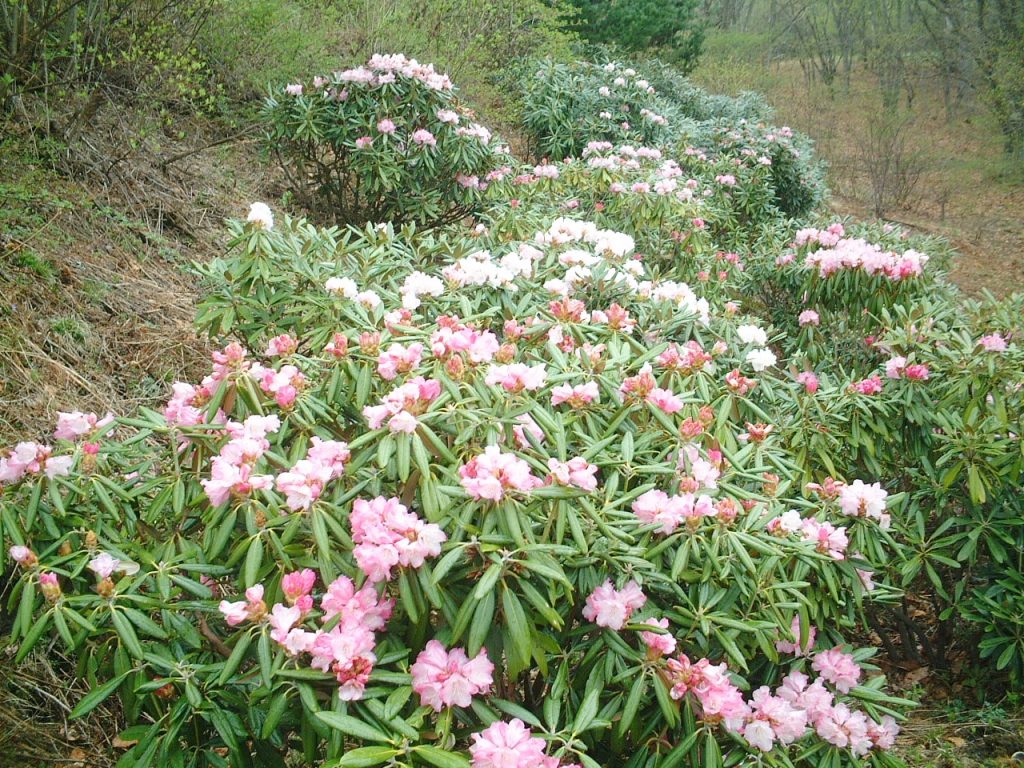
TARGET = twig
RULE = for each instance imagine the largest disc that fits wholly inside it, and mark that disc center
(195, 151)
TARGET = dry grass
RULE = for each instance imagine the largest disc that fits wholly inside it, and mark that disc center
(967, 191)
(36, 698)
(96, 308)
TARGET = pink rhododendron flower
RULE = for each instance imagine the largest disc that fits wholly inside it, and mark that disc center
(809, 317)
(993, 343)
(282, 346)
(386, 126)
(828, 539)
(424, 138)
(719, 699)
(297, 587)
(916, 372)
(71, 426)
(659, 644)
(577, 472)
(355, 607)
(450, 678)
(845, 729)
(398, 359)
(609, 607)
(773, 719)
(861, 500)
(252, 608)
(665, 400)
(509, 745)
(23, 556)
(809, 380)
(517, 377)
(387, 534)
(401, 407)
(894, 368)
(576, 396)
(104, 565)
(669, 512)
(30, 458)
(870, 386)
(493, 474)
(838, 668)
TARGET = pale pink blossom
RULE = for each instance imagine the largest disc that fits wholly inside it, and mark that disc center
(609, 607)
(104, 565)
(387, 534)
(658, 643)
(450, 678)
(509, 745)
(517, 377)
(994, 342)
(577, 396)
(577, 472)
(493, 474)
(838, 668)
(809, 317)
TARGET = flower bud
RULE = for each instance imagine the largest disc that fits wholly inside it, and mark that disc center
(455, 368)
(49, 586)
(506, 353)
(369, 343)
(23, 556)
(105, 588)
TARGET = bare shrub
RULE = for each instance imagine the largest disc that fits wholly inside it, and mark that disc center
(891, 162)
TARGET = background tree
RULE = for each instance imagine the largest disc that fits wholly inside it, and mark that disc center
(671, 29)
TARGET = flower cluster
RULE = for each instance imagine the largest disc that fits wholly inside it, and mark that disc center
(386, 534)
(305, 481)
(494, 474)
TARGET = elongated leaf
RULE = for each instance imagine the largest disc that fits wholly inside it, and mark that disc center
(352, 726)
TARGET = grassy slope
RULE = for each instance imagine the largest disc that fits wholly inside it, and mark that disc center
(97, 310)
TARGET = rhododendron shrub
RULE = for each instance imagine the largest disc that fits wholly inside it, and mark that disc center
(568, 107)
(908, 382)
(431, 511)
(385, 140)
(565, 106)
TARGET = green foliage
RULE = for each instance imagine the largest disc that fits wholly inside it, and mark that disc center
(671, 27)
(384, 142)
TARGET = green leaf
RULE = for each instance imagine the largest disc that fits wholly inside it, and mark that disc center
(96, 696)
(440, 757)
(235, 659)
(352, 726)
(363, 757)
(125, 632)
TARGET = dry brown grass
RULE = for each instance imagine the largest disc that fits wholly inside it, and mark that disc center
(967, 191)
(96, 308)
(36, 699)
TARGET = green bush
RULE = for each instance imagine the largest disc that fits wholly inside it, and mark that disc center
(385, 141)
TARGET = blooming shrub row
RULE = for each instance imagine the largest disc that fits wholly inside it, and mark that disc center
(445, 516)
(539, 489)
(567, 107)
